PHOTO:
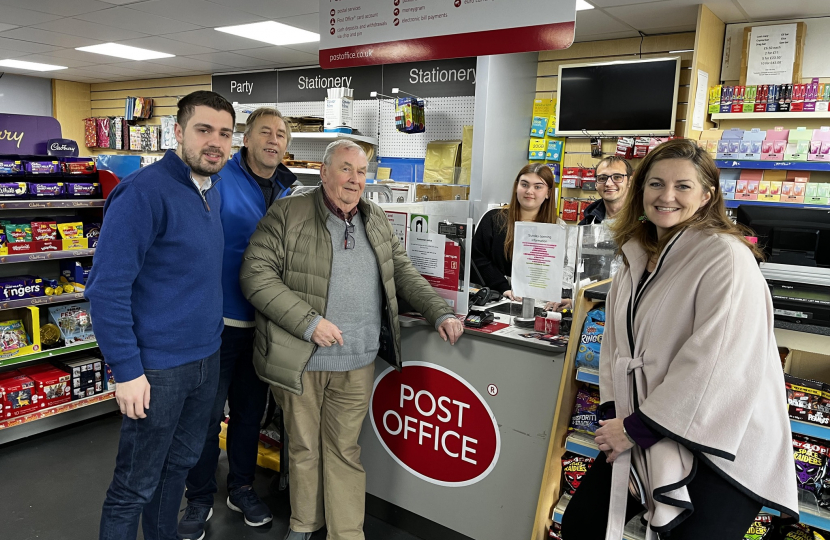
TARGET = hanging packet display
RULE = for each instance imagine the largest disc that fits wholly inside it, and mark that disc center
(584, 418)
(574, 467)
(761, 529)
(591, 340)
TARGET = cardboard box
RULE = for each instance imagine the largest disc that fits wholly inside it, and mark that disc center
(52, 387)
(820, 145)
(75, 243)
(17, 396)
(750, 146)
(749, 185)
(798, 144)
(30, 316)
(338, 114)
(772, 148)
(87, 376)
(729, 144)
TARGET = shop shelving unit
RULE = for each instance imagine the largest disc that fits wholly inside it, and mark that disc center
(327, 136)
(45, 205)
(587, 375)
(582, 444)
(815, 166)
(46, 256)
(770, 116)
(48, 354)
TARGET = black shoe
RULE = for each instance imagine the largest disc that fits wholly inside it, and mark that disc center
(245, 500)
(192, 524)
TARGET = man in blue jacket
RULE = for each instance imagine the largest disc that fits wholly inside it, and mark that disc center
(252, 180)
(156, 302)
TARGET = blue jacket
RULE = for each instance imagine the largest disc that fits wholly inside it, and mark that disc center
(155, 288)
(243, 205)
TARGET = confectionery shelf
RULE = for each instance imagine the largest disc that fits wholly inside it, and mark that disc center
(819, 166)
(13, 429)
(587, 375)
(51, 353)
(46, 256)
(42, 300)
(769, 115)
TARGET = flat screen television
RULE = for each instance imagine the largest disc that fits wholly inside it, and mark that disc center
(798, 236)
(627, 97)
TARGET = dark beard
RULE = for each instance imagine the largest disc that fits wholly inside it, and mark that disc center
(193, 160)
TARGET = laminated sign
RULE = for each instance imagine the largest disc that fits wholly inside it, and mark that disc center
(435, 424)
(372, 32)
(538, 260)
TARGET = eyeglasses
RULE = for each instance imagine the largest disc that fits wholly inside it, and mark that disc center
(617, 178)
(348, 242)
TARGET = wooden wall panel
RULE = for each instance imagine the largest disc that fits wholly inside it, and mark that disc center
(70, 105)
(708, 56)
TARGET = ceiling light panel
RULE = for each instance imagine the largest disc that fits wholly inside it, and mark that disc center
(582, 5)
(124, 51)
(31, 66)
(272, 32)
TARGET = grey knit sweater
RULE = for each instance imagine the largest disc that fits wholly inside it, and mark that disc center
(353, 304)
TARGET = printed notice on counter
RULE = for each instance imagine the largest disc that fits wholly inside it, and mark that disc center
(538, 260)
(399, 222)
(371, 32)
(771, 54)
(426, 250)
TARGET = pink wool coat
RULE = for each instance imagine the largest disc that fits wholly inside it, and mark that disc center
(694, 351)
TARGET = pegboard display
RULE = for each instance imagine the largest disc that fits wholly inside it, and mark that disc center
(445, 120)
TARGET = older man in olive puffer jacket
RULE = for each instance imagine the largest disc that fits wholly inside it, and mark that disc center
(324, 286)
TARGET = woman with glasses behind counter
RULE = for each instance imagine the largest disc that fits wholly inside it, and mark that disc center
(612, 177)
(532, 200)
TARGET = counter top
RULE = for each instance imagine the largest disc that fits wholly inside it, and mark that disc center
(500, 331)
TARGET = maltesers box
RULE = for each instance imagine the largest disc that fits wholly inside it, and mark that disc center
(17, 396)
(52, 387)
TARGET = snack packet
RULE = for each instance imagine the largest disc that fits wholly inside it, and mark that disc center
(591, 340)
(574, 467)
(44, 230)
(71, 230)
(13, 335)
(584, 418)
(761, 529)
(18, 233)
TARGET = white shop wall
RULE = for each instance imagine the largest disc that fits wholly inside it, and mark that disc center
(25, 95)
(445, 120)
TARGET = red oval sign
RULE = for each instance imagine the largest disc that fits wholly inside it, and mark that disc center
(435, 424)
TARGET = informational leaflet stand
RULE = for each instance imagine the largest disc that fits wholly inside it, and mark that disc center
(538, 260)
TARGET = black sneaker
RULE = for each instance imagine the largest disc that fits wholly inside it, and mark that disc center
(192, 524)
(245, 500)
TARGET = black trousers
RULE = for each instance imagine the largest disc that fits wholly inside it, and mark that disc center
(721, 510)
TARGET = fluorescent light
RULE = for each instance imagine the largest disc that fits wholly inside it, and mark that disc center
(124, 51)
(271, 32)
(32, 66)
(582, 5)
(682, 50)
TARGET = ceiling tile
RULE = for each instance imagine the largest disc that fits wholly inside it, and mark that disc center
(25, 17)
(198, 12)
(77, 27)
(54, 60)
(64, 8)
(25, 46)
(4, 26)
(48, 38)
(83, 56)
(123, 17)
(309, 22)
(614, 3)
(594, 21)
(282, 55)
(169, 46)
(311, 48)
(657, 15)
(271, 9)
(727, 11)
(208, 37)
(231, 59)
(189, 64)
(5, 54)
(768, 10)
(136, 67)
(112, 69)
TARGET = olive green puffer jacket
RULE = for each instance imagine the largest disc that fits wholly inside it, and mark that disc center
(285, 275)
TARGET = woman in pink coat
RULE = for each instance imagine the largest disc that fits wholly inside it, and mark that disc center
(691, 387)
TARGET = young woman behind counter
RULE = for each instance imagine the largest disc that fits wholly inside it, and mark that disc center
(493, 241)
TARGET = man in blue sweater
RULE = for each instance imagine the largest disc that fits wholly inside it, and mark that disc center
(253, 179)
(156, 302)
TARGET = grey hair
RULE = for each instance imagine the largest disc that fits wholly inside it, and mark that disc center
(267, 111)
(332, 148)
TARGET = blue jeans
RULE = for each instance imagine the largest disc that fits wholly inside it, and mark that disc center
(247, 397)
(155, 453)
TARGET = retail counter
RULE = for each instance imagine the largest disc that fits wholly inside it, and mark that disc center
(455, 445)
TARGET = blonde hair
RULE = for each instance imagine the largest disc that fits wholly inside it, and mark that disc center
(710, 218)
(513, 212)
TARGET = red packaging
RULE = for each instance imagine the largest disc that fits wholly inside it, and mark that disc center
(80, 167)
(588, 174)
(583, 204)
(625, 147)
(44, 230)
(570, 209)
(17, 396)
(52, 387)
(797, 103)
(641, 145)
(572, 177)
(738, 99)
(548, 326)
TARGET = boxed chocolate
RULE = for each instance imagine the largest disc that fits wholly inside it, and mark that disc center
(82, 189)
(42, 190)
(12, 166)
(13, 190)
(86, 376)
(43, 167)
(17, 396)
(74, 322)
(52, 387)
(808, 400)
(85, 166)
(15, 288)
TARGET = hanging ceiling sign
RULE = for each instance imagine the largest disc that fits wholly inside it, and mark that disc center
(370, 32)
(312, 84)
(254, 87)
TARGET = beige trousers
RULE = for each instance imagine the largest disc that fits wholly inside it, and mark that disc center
(325, 477)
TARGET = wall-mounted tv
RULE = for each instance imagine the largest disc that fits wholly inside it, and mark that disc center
(627, 97)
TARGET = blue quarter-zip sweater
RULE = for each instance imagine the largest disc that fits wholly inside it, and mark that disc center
(243, 205)
(155, 286)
